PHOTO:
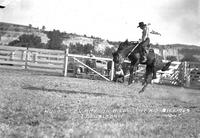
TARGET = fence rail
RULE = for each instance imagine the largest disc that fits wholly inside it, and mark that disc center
(185, 74)
(41, 59)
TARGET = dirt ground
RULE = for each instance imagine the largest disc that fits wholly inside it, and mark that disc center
(42, 105)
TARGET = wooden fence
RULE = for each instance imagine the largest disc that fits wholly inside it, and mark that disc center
(44, 60)
(192, 74)
(182, 74)
(32, 58)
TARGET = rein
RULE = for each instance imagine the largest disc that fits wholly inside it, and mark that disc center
(133, 49)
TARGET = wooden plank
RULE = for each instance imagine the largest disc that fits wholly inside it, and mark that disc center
(46, 51)
(112, 71)
(58, 62)
(46, 70)
(5, 57)
(11, 67)
(87, 57)
(5, 53)
(12, 62)
(48, 66)
(50, 56)
(12, 48)
(66, 61)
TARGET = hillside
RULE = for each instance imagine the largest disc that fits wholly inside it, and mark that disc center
(180, 50)
(10, 32)
(98, 43)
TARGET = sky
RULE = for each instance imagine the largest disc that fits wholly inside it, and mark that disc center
(178, 21)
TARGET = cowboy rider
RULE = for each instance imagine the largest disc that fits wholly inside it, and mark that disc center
(145, 40)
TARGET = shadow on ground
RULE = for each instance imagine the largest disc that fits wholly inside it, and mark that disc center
(71, 92)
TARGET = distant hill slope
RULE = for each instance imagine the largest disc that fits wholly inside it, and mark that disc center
(98, 43)
(177, 46)
(179, 50)
(10, 32)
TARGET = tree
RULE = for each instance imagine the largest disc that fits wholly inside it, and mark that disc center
(56, 38)
(108, 51)
(189, 58)
(171, 58)
(30, 26)
(80, 49)
(43, 28)
(14, 43)
(28, 41)
(87, 48)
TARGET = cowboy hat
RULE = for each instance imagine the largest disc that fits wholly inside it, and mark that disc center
(141, 24)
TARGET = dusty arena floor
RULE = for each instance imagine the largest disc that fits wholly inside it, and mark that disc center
(41, 105)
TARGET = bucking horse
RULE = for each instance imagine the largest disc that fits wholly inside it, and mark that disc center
(132, 51)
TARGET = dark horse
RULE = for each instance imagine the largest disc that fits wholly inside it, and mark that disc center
(132, 51)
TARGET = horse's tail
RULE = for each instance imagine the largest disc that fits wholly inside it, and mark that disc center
(166, 66)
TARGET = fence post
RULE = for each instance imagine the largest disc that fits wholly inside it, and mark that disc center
(161, 51)
(187, 74)
(35, 57)
(12, 54)
(112, 71)
(23, 56)
(66, 61)
(26, 59)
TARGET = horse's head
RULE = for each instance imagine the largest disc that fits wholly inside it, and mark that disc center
(124, 44)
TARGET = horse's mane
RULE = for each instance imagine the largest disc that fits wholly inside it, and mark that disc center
(126, 47)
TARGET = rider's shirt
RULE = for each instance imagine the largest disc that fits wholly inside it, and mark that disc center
(145, 33)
